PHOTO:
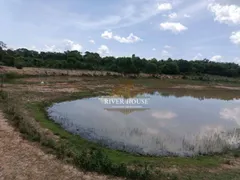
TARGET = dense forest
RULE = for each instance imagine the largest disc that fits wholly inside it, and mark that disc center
(128, 65)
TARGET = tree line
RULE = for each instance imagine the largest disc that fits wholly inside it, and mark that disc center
(23, 57)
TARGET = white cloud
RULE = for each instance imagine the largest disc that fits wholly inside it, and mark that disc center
(154, 49)
(130, 13)
(174, 27)
(92, 41)
(199, 56)
(228, 14)
(129, 39)
(57, 14)
(165, 54)
(236, 2)
(164, 7)
(51, 48)
(237, 60)
(103, 50)
(167, 47)
(65, 45)
(129, 16)
(172, 15)
(216, 58)
(70, 45)
(107, 35)
(235, 37)
(34, 48)
(195, 8)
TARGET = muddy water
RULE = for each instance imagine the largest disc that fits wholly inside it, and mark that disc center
(165, 125)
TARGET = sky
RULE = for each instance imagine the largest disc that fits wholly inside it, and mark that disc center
(187, 29)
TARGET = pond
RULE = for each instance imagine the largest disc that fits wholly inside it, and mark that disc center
(164, 125)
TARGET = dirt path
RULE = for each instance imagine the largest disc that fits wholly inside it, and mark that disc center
(22, 160)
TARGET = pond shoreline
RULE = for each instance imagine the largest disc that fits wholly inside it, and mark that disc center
(96, 135)
(51, 138)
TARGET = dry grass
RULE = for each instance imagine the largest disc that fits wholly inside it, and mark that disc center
(21, 159)
(55, 72)
(67, 72)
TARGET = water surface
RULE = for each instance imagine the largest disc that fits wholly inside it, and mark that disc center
(171, 126)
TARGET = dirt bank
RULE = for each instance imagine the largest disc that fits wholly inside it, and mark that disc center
(21, 159)
(68, 72)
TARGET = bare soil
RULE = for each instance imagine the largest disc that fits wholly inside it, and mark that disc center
(51, 72)
(23, 160)
(189, 87)
(201, 87)
(69, 72)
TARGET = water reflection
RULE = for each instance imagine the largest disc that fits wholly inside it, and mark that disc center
(232, 114)
(200, 94)
(172, 126)
(164, 114)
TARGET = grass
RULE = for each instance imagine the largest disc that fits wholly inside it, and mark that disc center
(230, 175)
(213, 79)
(77, 145)
(82, 154)
(12, 77)
(38, 109)
(93, 157)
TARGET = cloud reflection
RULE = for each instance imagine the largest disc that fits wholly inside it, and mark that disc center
(232, 114)
(178, 126)
(164, 115)
(211, 129)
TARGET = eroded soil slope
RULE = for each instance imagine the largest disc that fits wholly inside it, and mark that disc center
(22, 160)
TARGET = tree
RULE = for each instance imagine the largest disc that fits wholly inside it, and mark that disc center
(139, 63)
(3, 45)
(184, 66)
(170, 68)
(125, 65)
(151, 68)
(93, 59)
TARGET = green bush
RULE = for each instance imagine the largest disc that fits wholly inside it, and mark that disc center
(98, 161)
(184, 77)
(3, 95)
(12, 75)
(19, 66)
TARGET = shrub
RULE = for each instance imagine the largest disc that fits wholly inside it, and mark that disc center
(108, 74)
(19, 66)
(12, 75)
(91, 159)
(236, 155)
(184, 77)
(3, 95)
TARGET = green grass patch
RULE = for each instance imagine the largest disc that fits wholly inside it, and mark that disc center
(13, 78)
(223, 175)
(94, 157)
(76, 142)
